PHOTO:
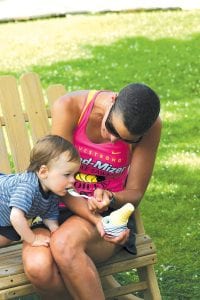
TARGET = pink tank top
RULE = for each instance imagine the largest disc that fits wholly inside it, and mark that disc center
(103, 165)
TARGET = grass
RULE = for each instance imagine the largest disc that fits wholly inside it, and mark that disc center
(108, 51)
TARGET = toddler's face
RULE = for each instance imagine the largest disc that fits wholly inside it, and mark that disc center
(60, 174)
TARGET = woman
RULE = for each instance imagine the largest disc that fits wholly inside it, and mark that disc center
(117, 138)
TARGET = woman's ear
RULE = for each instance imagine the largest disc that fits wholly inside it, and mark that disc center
(43, 172)
(114, 96)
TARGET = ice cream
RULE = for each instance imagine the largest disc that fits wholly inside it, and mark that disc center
(117, 221)
(121, 215)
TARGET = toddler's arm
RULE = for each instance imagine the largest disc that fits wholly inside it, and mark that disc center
(20, 223)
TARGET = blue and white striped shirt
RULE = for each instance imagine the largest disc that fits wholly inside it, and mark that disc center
(23, 191)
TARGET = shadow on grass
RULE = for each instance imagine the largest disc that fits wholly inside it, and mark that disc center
(169, 66)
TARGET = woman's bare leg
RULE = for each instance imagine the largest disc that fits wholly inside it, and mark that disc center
(71, 246)
(42, 271)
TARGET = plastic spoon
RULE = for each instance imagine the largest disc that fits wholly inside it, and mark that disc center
(76, 194)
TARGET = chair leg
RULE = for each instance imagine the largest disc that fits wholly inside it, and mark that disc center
(148, 274)
(110, 282)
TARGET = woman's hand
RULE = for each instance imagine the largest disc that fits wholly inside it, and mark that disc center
(121, 239)
(100, 201)
(100, 229)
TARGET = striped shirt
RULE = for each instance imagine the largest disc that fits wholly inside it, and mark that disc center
(23, 191)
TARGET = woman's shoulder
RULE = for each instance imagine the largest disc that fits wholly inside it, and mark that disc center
(71, 102)
(72, 97)
(77, 98)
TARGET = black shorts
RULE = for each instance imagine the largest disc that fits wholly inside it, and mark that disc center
(10, 233)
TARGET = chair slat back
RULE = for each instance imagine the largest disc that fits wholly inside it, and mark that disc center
(16, 135)
(24, 117)
(54, 92)
(4, 158)
(34, 103)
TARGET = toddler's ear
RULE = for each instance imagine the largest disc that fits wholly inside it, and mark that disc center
(43, 172)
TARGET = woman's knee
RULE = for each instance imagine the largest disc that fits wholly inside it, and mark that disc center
(38, 266)
(64, 248)
(70, 241)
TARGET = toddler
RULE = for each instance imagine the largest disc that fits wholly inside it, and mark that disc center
(54, 162)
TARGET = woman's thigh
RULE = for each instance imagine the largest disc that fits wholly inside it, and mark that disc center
(80, 235)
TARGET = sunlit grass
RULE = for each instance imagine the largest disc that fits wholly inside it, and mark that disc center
(190, 160)
(170, 116)
(60, 39)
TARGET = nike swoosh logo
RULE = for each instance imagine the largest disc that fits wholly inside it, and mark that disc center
(116, 152)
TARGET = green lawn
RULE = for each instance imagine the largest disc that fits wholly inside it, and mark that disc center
(108, 51)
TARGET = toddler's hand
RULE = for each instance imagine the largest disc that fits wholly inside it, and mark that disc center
(41, 240)
(100, 201)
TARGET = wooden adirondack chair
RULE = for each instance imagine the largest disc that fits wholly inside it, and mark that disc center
(24, 117)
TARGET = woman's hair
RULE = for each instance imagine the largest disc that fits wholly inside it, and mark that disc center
(139, 106)
(50, 147)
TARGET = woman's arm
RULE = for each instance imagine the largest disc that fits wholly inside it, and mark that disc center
(79, 206)
(141, 168)
(140, 171)
(65, 115)
(66, 112)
